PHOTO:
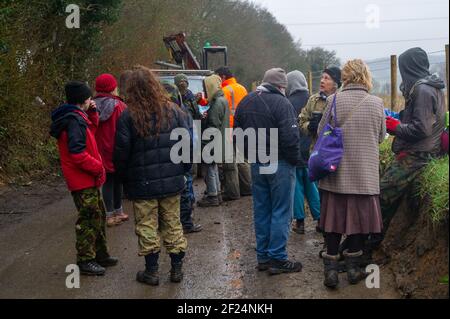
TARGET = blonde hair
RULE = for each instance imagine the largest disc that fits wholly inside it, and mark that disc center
(357, 72)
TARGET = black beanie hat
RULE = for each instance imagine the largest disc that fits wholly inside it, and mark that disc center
(335, 74)
(224, 71)
(77, 92)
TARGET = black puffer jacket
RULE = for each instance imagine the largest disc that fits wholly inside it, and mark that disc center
(144, 164)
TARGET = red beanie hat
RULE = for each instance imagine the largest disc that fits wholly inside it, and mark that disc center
(105, 83)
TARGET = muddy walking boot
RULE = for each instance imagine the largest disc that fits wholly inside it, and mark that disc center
(331, 265)
(263, 266)
(284, 266)
(91, 268)
(105, 260)
(209, 201)
(193, 229)
(299, 226)
(366, 258)
(354, 272)
(227, 198)
(150, 275)
(176, 273)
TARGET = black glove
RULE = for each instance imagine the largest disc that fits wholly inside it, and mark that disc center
(314, 124)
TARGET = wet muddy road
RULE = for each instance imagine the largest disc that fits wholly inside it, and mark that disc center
(37, 242)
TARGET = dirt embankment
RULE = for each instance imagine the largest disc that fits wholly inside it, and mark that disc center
(419, 252)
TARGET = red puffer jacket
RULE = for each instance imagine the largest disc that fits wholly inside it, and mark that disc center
(81, 161)
(110, 108)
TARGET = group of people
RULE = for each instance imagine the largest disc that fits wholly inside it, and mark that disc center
(353, 205)
(111, 142)
(118, 140)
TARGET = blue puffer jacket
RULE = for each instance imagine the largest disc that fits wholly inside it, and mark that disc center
(265, 109)
(144, 163)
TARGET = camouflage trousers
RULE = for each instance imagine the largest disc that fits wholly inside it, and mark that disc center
(159, 217)
(400, 179)
(91, 225)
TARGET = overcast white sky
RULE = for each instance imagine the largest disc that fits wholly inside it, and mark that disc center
(420, 15)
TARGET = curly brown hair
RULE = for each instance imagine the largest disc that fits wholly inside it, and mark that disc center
(148, 102)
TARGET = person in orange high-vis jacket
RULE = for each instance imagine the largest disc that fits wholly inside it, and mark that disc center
(234, 92)
(236, 178)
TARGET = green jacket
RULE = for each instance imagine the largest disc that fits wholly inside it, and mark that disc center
(218, 115)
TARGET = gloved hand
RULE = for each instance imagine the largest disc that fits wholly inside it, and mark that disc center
(391, 125)
(314, 124)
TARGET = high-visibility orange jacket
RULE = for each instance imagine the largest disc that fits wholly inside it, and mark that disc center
(234, 93)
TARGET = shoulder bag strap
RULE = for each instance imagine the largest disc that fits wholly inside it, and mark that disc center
(355, 108)
(267, 108)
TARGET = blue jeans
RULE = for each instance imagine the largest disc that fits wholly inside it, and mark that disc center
(273, 203)
(305, 188)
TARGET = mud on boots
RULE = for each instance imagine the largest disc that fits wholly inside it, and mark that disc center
(176, 273)
(150, 276)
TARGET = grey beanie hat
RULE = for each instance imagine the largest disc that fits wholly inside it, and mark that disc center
(277, 77)
(180, 78)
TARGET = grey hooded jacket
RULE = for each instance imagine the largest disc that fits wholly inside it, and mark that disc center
(297, 91)
(298, 94)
